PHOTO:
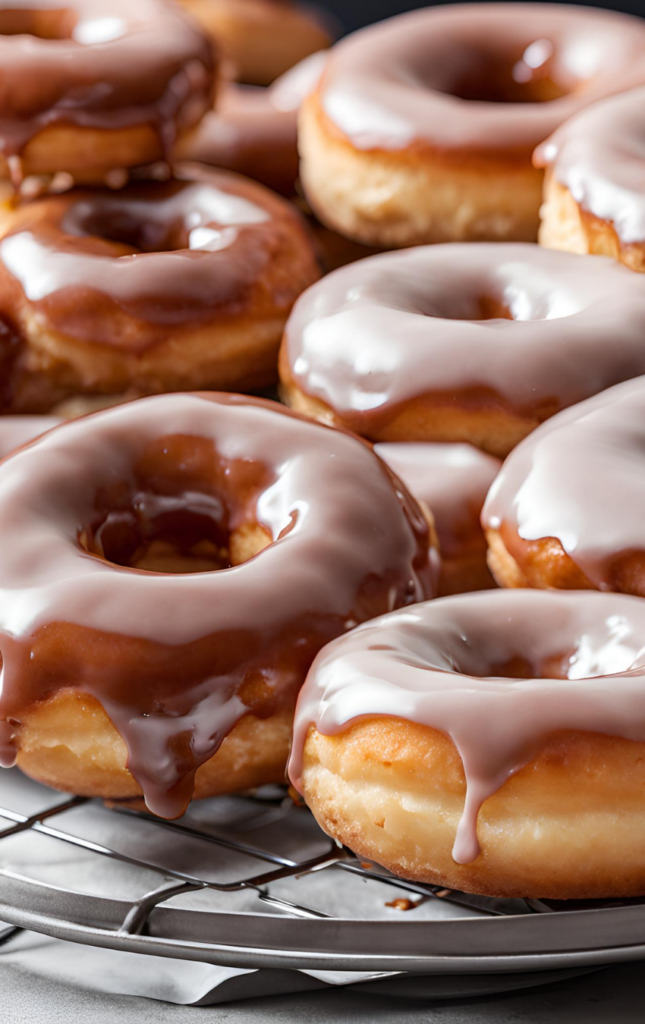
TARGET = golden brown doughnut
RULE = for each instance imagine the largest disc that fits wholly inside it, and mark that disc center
(422, 128)
(594, 195)
(565, 511)
(89, 90)
(493, 743)
(170, 569)
(471, 343)
(262, 38)
(160, 286)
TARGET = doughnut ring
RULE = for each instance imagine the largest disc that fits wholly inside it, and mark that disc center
(493, 743)
(452, 481)
(565, 510)
(161, 286)
(422, 127)
(262, 38)
(474, 343)
(88, 94)
(131, 662)
(594, 196)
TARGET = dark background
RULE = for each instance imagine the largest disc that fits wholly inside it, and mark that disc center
(354, 13)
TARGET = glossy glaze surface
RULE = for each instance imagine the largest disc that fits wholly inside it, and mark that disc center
(490, 326)
(177, 659)
(599, 156)
(18, 430)
(77, 63)
(168, 254)
(486, 78)
(578, 479)
(452, 665)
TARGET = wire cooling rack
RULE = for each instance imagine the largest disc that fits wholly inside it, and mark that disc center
(252, 882)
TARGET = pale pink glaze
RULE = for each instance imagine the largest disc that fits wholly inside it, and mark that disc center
(438, 664)
(453, 481)
(464, 77)
(599, 156)
(578, 479)
(18, 430)
(171, 657)
(400, 326)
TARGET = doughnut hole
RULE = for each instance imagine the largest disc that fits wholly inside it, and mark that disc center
(187, 511)
(493, 73)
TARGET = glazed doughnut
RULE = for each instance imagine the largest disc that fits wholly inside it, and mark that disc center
(88, 94)
(565, 510)
(475, 343)
(594, 194)
(121, 643)
(253, 131)
(493, 743)
(422, 127)
(452, 481)
(262, 38)
(160, 286)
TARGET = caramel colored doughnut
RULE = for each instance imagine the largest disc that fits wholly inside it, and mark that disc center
(452, 481)
(162, 286)
(594, 196)
(474, 343)
(493, 743)
(262, 38)
(89, 89)
(170, 569)
(422, 128)
(565, 511)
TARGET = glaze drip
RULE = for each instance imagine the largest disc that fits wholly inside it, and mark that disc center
(177, 659)
(444, 664)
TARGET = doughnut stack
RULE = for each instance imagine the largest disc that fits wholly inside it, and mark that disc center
(322, 413)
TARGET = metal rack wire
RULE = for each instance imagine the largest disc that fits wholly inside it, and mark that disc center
(252, 882)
